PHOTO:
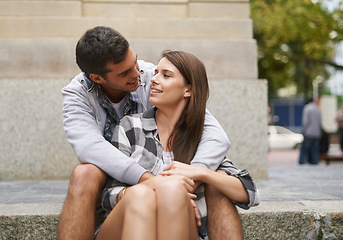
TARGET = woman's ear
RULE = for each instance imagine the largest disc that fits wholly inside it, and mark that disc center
(188, 92)
(96, 78)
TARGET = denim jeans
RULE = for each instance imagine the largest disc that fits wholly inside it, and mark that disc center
(309, 151)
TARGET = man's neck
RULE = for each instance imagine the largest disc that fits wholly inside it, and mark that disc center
(116, 97)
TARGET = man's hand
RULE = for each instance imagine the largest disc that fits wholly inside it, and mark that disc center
(145, 176)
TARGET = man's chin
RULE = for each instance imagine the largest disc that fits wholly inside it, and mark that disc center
(134, 86)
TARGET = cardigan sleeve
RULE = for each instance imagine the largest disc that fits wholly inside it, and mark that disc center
(247, 181)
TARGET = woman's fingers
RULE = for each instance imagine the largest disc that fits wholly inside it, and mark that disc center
(196, 213)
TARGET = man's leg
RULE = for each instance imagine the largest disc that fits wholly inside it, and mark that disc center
(340, 133)
(78, 214)
(223, 220)
(315, 148)
(304, 151)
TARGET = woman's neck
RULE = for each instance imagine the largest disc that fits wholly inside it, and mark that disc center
(166, 121)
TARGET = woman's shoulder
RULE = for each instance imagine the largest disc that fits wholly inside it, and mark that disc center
(130, 120)
(145, 120)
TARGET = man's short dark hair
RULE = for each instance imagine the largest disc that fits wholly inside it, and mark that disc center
(97, 47)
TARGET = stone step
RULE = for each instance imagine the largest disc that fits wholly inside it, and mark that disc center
(297, 202)
(55, 57)
(189, 28)
(127, 9)
(271, 220)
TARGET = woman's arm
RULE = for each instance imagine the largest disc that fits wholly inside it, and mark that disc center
(213, 137)
(228, 185)
(234, 183)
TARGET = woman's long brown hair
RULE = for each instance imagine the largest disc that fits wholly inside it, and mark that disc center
(185, 137)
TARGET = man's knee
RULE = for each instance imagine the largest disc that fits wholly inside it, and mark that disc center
(212, 193)
(215, 198)
(86, 178)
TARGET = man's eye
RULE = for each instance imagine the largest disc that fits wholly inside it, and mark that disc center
(124, 73)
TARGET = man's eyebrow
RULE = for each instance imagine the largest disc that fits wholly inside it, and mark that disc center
(127, 70)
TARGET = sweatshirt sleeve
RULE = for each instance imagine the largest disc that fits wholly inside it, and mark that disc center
(213, 145)
(86, 138)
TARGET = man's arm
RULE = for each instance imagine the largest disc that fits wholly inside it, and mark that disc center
(213, 145)
(87, 141)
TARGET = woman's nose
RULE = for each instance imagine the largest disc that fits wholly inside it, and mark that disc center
(154, 79)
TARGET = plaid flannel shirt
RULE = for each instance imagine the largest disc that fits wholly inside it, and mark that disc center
(136, 136)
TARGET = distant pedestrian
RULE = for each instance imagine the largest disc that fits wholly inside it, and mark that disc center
(339, 120)
(311, 123)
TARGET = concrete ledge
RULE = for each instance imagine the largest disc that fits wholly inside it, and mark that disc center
(294, 220)
(270, 220)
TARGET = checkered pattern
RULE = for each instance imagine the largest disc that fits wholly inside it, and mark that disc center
(136, 136)
(130, 106)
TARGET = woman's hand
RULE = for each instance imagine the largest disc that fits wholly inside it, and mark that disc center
(177, 168)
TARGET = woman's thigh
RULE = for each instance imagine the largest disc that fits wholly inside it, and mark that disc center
(175, 210)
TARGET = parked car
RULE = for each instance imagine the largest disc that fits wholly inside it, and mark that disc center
(283, 138)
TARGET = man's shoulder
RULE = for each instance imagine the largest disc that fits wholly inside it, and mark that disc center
(145, 65)
(146, 69)
(76, 82)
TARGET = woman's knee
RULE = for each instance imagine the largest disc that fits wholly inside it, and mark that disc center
(86, 178)
(140, 199)
(172, 192)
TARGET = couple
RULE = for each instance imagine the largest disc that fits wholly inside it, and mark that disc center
(114, 84)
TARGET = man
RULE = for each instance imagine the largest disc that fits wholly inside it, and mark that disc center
(114, 83)
(339, 121)
(312, 129)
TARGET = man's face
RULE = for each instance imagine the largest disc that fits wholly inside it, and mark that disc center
(121, 78)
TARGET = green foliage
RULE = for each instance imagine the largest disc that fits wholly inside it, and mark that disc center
(296, 41)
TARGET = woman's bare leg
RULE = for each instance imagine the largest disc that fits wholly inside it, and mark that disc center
(134, 217)
(175, 214)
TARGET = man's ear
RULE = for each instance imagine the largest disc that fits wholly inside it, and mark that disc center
(188, 92)
(95, 78)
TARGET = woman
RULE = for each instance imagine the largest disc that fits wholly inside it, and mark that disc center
(167, 137)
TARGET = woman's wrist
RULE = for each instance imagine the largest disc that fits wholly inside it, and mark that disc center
(121, 194)
(202, 174)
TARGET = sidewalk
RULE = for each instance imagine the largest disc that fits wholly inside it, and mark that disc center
(287, 182)
(305, 195)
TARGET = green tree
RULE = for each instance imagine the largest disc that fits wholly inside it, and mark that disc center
(296, 42)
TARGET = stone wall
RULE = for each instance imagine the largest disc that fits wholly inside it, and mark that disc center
(37, 48)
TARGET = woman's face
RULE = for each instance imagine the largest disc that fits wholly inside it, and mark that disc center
(168, 87)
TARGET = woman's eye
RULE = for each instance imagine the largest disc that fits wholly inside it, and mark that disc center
(166, 75)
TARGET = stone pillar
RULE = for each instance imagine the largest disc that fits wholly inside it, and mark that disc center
(37, 58)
